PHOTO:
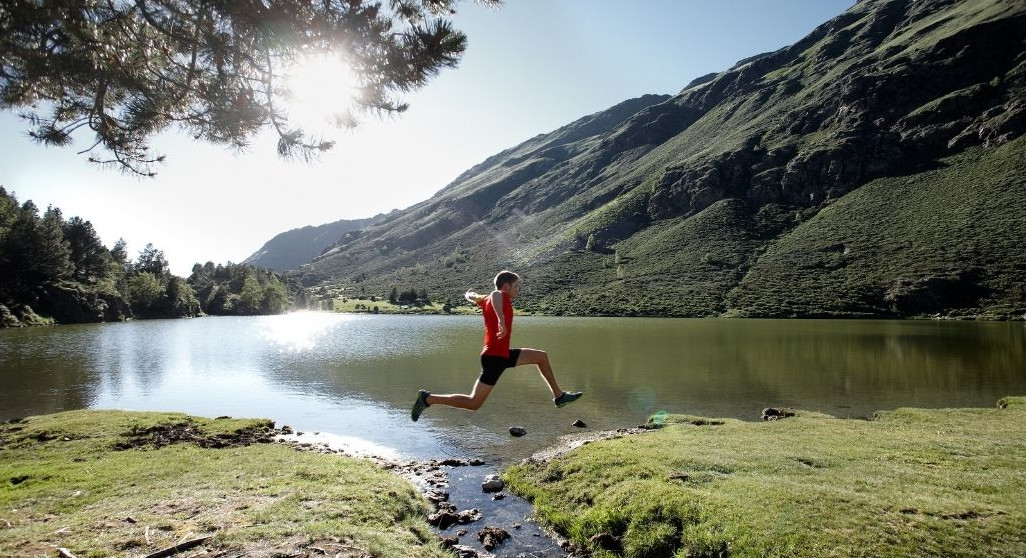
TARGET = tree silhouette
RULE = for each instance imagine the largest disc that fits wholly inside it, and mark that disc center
(127, 70)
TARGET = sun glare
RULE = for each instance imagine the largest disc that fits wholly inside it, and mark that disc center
(298, 331)
(321, 88)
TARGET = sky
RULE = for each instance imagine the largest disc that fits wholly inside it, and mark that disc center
(531, 67)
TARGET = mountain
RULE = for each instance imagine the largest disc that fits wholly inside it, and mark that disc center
(296, 247)
(873, 168)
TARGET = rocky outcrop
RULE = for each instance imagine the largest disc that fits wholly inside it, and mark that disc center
(72, 303)
(66, 303)
(888, 113)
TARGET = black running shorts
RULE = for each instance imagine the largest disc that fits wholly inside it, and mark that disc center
(493, 366)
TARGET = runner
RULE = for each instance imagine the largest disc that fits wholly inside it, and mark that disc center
(497, 355)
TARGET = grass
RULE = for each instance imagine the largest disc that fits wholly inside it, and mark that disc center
(963, 219)
(63, 484)
(912, 482)
(383, 306)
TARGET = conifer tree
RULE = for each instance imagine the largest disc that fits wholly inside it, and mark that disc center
(91, 260)
(129, 69)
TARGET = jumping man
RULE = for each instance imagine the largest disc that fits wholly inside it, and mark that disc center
(497, 356)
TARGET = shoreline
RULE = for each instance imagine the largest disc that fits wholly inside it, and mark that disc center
(44, 321)
(651, 465)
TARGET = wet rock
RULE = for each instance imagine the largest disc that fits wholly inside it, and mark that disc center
(446, 506)
(436, 478)
(492, 536)
(442, 519)
(436, 497)
(463, 551)
(492, 483)
(447, 517)
(771, 413)
(517, 431)
(449, 542)
(7, 318)
(579, 424)
(498, 496)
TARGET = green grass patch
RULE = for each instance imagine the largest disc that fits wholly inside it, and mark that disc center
(379, 306)
(65, 483)
(912, 482)
(944, 240)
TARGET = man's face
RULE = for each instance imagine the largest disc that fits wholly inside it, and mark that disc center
(513, 289)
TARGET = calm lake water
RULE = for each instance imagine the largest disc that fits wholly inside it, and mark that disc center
(353, 378)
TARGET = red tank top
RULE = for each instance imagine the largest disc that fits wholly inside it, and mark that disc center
(492, 345)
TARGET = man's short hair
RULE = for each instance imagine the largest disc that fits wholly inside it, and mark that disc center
(504, 278)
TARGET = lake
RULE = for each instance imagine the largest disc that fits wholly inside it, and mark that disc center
(353, 378)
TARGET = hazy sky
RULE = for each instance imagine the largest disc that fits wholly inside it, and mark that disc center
(531, 67)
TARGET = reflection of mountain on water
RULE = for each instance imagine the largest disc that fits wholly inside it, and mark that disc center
(358, 375)
(631, 368)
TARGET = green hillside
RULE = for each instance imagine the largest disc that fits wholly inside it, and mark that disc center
(945, 241)
(870, 169)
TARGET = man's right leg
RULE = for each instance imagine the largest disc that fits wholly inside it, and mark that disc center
(541, 360)
(470, 402)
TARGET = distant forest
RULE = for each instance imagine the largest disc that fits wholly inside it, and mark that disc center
(56, 270)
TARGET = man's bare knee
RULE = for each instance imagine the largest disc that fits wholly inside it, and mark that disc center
(533, 356)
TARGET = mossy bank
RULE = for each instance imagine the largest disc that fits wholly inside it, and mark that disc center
(130, 484)
(911, 482)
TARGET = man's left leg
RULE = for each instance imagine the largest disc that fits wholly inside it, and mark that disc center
(541, 360)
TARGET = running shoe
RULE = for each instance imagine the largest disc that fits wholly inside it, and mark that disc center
(419, 405)
(567, 398)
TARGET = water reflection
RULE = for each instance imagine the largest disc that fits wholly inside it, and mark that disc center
(356, 376)
(300, 331)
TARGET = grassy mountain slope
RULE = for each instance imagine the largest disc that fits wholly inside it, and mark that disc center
(786, 185)
(945, 240)
(291, 249)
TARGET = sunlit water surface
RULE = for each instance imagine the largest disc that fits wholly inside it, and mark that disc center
(353, 378)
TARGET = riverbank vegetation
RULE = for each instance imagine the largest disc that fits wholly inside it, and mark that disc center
(57, 270)
(911, 482)
(106, 483)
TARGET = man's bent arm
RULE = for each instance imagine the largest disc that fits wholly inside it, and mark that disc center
(497, 307)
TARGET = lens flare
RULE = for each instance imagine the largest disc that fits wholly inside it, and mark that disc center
(658, 419)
